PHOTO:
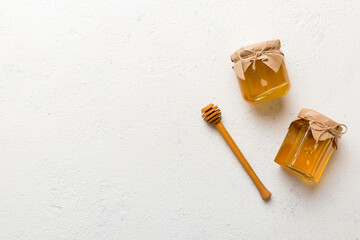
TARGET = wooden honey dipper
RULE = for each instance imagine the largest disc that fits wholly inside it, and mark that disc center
(212, 115)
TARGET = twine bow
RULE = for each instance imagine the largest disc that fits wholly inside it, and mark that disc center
(319, 129)
(322, 127)
(268, 52)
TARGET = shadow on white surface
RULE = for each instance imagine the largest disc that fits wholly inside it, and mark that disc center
(269, 108)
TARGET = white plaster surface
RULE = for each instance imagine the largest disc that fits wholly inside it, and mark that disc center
(101, 134)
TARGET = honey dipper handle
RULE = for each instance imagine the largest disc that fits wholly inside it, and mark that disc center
(265, 194)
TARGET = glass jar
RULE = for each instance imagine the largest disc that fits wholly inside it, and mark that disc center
(261, 71)
(309, 143)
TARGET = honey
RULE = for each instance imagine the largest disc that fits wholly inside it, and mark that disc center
(298, 154)
(263, 83)
(261, 71)
(303, 153)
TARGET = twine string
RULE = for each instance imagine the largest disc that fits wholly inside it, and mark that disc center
(254, 55)
(336, 130)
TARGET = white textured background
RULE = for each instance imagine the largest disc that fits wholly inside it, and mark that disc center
(101, 134)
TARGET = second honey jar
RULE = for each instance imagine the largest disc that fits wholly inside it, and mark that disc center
(261, 71)
(309, 143)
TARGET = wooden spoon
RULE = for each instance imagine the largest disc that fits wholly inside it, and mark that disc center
(212, 115)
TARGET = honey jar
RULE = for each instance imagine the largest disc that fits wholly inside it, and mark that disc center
(309, 143)
(261, 71)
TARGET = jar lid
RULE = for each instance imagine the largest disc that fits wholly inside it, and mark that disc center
(268, 52)
(322, 127)
(246, 51)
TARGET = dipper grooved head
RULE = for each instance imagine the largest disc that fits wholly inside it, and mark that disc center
(211, 114)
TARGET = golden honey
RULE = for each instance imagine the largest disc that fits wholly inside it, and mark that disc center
(300, 154)
(309, 143)
(263, 83)
(261, 71)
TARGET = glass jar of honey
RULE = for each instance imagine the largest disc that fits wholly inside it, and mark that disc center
(309, 143)
(261, 71)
